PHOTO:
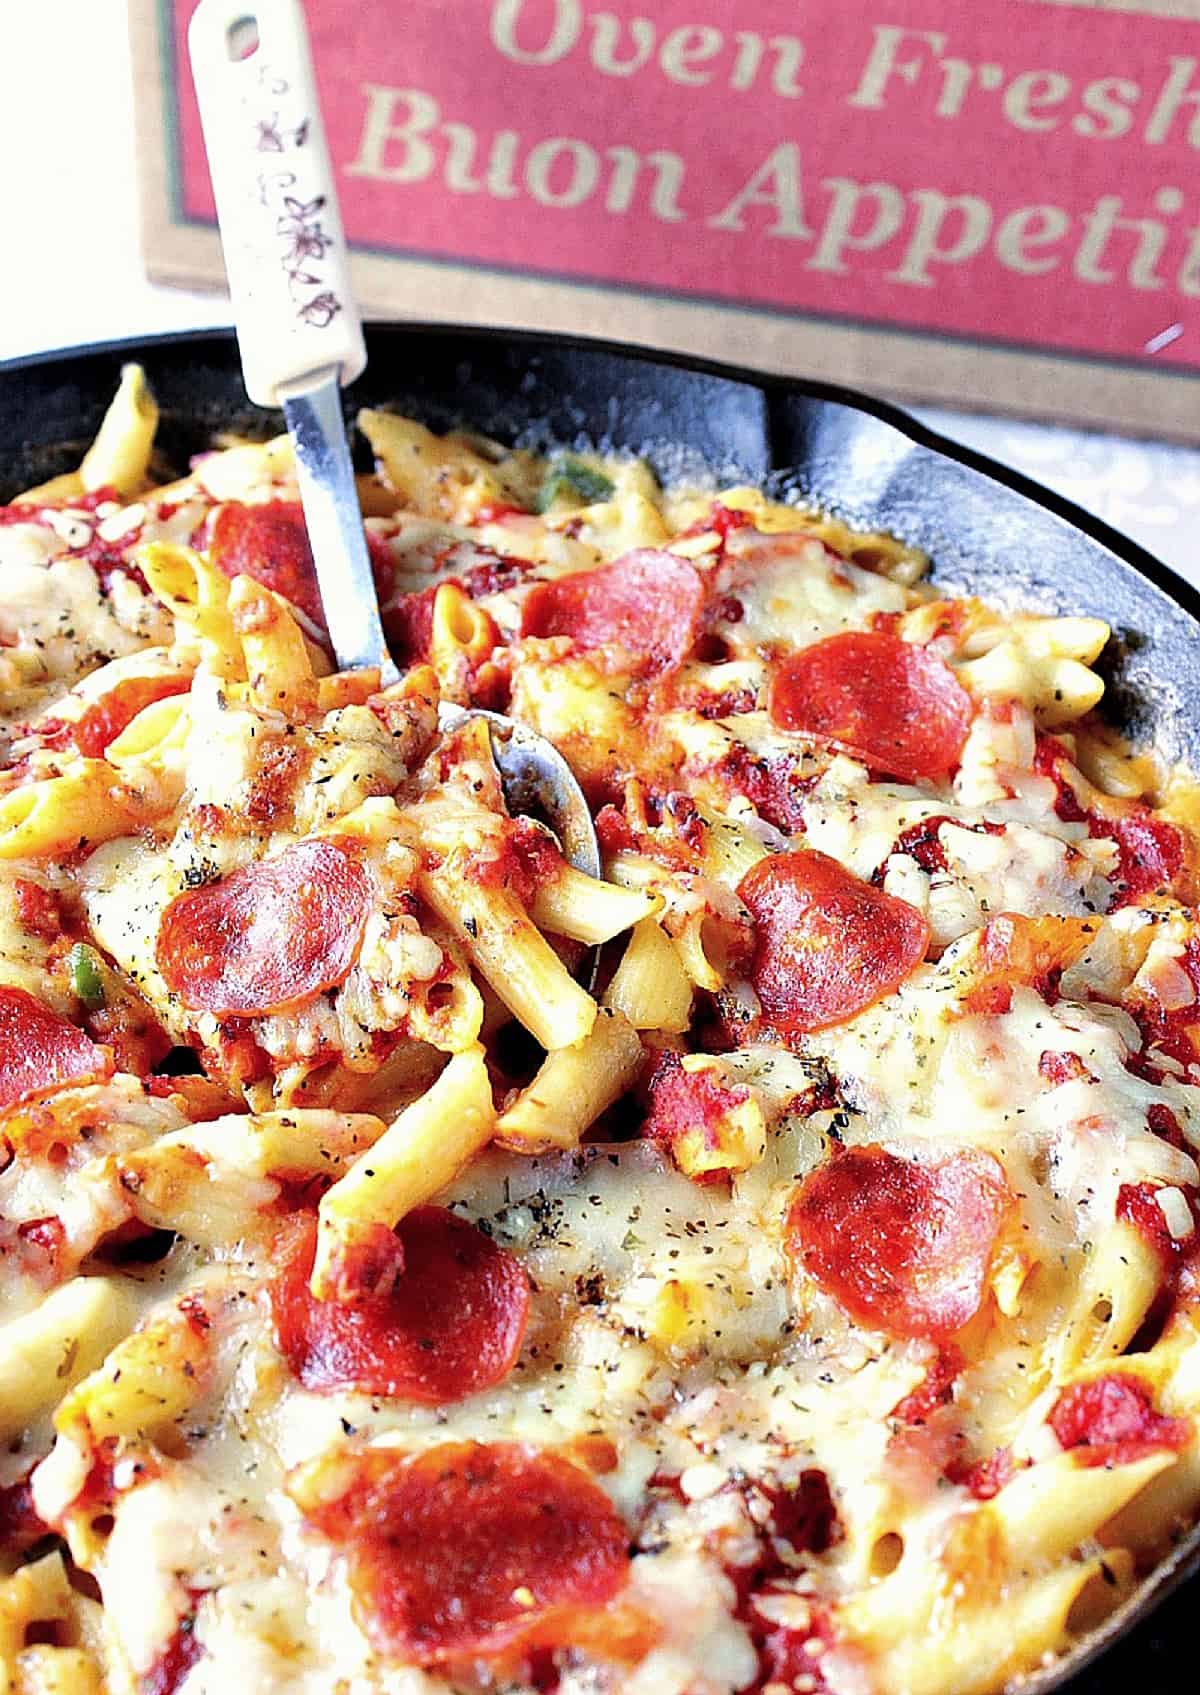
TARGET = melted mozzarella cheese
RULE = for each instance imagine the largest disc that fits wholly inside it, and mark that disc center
(792, 591)
(670, 1330)
(1029, 862)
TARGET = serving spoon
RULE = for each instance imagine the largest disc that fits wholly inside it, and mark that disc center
(300, 340)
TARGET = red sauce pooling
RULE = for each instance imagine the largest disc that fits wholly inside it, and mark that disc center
(177, 1658)
(1137, 1205)
(527, 858)
(774, 784)
(20, 1526)
(903, 1247)
(1164, 1123)
(47, 1235)
(806, 1518)
(37, 909)
(790, 1656)
(496, 512)
(1049, 757)
(1149, 849)
(1172, 1031)
(935, 1390)
(470, 1548)
(921, 842)
(1059, 1068)
(986, 1477)
(34, 512)
(726, 519)
(1150, 852)
(683, 1102)
(614, 832)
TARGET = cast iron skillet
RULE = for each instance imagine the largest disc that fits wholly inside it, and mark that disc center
(988, 530)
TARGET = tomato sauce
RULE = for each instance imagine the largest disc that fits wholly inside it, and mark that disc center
(1112, 1420)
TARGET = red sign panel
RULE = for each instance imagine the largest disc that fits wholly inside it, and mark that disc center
(1021, 173)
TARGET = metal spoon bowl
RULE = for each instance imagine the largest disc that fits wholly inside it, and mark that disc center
(538, 783)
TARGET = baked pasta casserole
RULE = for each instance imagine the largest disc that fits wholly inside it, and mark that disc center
(770, 1266)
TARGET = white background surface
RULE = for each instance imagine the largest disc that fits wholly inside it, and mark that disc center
(72, 273)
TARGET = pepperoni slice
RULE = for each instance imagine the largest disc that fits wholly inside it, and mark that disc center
(472, 1547)
(408, 625)
(105, 719)
(903, 1247)
(1113, 1420)
(39, 1051)
(269, 936)
(826, 944)
(451, 1325)
(269, 542)
(888, 702)
(647, 602)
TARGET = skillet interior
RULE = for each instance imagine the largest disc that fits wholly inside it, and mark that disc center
(989, 531)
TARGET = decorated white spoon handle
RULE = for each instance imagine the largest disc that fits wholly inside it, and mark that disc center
(285, 252)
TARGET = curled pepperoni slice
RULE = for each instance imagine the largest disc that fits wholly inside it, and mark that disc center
(269, 542)
(451, 1326)
(888, 702)
(269, 936)
(647, 602)
(1113, 1420)
(104, 720)
(39, 1051)
(903, 1247)
(472, 1547)
(826, 944)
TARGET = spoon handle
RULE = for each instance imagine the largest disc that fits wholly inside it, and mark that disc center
(313, 409)
(285, 255)
(285, 251)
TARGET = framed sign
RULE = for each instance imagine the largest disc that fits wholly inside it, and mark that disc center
(989, 205)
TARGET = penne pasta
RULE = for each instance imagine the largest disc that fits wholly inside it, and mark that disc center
(573, 1086)
(516, 960)
(650, 986)
(416, 1157)
(119, 457)
(765, 1265)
